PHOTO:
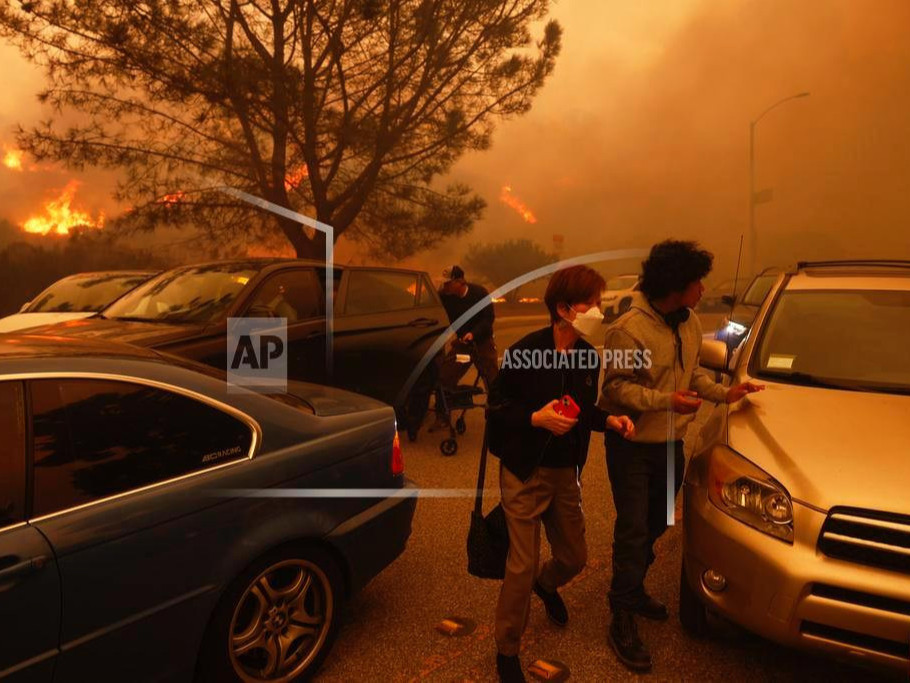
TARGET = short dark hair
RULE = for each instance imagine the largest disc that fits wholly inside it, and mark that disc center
(573, 285)
(672, 266)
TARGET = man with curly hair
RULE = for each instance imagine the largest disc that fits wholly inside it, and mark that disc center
(651, 372)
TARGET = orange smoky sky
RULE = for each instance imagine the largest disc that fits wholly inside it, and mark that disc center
(642, 133)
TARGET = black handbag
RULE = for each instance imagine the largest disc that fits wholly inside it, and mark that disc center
(488, 537)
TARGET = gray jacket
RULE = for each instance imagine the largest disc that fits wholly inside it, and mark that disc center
(642, 392)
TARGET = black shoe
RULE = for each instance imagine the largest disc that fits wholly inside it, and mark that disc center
(649, 608)
(412, 434)
(556, 608)
(624, 640)
(509, 669)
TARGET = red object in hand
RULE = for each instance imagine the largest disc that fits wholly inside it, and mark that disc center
(567, 407)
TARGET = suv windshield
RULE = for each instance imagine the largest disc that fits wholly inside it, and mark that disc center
(854, 339)
(197, 294)
(759, 289)
(85, 293)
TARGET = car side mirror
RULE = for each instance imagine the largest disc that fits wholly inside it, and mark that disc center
(714, 355)
(728, 299)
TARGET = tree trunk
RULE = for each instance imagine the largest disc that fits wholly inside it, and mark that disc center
(312, 248)
(304, 246)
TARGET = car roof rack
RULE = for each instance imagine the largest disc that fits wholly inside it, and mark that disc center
(880, 263)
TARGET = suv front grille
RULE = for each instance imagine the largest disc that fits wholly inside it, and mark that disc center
(877, 539)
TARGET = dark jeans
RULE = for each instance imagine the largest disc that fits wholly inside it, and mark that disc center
(638, 478)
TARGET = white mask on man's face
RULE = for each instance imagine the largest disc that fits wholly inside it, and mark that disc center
(588, 323)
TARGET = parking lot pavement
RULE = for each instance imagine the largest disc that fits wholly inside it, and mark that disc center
(388, 631)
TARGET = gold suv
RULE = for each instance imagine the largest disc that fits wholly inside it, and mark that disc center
(797, 522)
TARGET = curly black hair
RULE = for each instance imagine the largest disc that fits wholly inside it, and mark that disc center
(672, 266)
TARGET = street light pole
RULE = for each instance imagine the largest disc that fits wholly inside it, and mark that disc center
(753, 234)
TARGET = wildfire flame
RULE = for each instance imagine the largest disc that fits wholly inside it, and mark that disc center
(60, 217)
(513, 202)
(172, 198)
(12, 158)
(295, 176)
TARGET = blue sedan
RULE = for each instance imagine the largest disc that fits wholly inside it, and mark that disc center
(155, 526)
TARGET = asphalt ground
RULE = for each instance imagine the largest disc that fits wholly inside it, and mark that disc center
(388, 632)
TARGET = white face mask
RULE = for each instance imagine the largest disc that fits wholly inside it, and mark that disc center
(588, 323)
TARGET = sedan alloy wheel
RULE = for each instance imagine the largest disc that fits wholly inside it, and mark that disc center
(281, 622)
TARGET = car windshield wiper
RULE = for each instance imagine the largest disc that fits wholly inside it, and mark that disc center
(138, 319)
(809, 380)
(158, 321)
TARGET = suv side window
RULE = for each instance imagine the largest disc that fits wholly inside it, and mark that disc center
(12, 453)
(294, 294)
(98, 438)
(376, 291)
(427, 293)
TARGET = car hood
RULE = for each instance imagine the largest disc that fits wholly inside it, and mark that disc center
(828, 447)
(148, 334)
(22, 321)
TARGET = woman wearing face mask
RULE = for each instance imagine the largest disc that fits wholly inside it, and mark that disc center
(542, 453)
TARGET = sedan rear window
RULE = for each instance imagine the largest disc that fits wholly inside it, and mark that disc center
(12, 453)
(97, 438)
(379, 291)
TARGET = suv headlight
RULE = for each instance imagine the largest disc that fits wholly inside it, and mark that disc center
(749, 494)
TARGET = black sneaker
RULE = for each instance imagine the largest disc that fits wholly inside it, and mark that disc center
(624, 640)
(509, 669)
(649, 608)
(556, 608)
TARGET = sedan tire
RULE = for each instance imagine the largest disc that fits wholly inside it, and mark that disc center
(277, 621)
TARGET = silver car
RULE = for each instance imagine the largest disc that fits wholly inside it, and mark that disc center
(797, 521)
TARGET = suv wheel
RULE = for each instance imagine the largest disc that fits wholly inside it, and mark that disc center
(276, 621)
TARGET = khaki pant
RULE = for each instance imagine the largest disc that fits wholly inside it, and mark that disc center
(551, 496)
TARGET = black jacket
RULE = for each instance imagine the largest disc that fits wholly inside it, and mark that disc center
(518, 392)
(481, 325)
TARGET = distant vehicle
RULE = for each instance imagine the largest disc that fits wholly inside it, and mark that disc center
(134, 545)
(385, 318)
(74, 297)
(719, 299)
(618, 297)
(797, 524)
(734, 327)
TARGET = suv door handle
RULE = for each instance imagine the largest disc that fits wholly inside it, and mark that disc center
(423, 322)
(20, 569)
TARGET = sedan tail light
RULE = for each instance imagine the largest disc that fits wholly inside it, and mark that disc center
(397, 457)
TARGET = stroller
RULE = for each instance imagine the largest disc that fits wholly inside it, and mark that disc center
(461, 397)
